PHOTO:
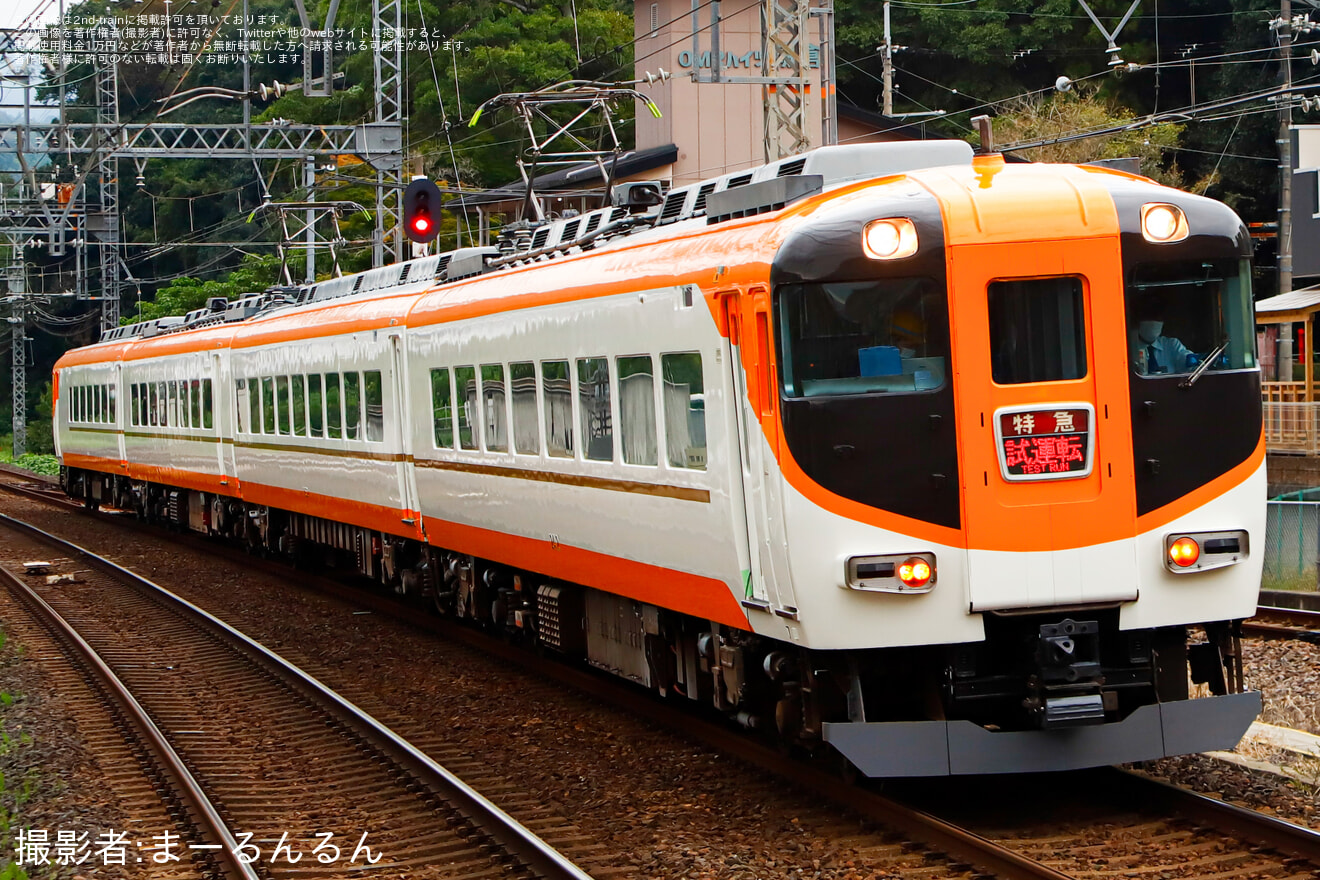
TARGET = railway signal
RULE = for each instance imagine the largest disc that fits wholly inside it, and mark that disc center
(421, 211)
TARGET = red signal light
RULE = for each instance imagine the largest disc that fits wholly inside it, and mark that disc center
(421, 225)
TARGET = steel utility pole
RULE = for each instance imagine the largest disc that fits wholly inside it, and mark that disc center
(1285, 149)
(887, 71)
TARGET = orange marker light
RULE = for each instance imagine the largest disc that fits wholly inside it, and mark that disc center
(1184, 552)
(914, 572)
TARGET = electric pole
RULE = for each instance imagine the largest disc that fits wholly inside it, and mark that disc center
(1285, 148)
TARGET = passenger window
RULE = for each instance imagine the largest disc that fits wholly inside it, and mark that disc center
(195, 402)
(1037, 330)
(75, 403)
(334, 417)
(593, 379)
(442, 410)
(637, 409)
(352, 405)
(299, 406)
(685, 410)
(522, 385)
(98, 407)
(267, 405)
(493, 408)
(465, 388)
(153, 403)
(174, 416)
(282, 404)
(208, 422)
(142, 403)
(557, 389)
(110, 397)
(135, 406)
(315, 407)
(254, 405)
(375, 397)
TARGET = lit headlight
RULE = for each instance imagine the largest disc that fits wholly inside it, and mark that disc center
(890, 239)
(1199, 551)
(1161, 223)
(899, 573)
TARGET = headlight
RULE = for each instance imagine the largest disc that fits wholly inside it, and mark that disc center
(899, 573)
(1161, 223)
(1198, 551)
(890, 239)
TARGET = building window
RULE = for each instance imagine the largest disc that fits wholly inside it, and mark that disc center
(637, 409)
(685, 410)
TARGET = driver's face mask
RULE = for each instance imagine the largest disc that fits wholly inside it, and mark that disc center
(1149, 331)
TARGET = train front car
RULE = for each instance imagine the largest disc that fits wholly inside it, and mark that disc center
(1018, 427)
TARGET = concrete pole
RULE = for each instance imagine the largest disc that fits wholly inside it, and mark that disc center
(888, 69)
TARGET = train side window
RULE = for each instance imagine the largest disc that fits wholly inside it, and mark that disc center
(208, 421)
(352, 406)
(110, 399)
(282, 405)
(142, 408)
(153, 404)
(299, 404)
(1037, 330)
(254, 405)
(557, 392)
(637, 428)
(135, 406)
(442, 408)
(334, 411)
(195, 402)
(685, 410)
(173, 417)
(315, 407)
(373, 393)
(241, 425)
(77, 403)
(98, 403)
(593, 381)
(493, 409)
(522, 390)
(465, 392)
(267, 405)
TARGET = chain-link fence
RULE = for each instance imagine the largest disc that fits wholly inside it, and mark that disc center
(1292, 545)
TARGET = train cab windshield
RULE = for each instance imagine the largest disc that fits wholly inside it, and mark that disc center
(1181, 315)
(855, 337)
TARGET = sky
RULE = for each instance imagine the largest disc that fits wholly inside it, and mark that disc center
(13, 12)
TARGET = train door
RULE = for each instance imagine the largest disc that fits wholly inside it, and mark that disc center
(754, 384)
(402, 439)
(1041, 362)
(122, 409)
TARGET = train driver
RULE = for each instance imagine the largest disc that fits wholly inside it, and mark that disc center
(1153, 352)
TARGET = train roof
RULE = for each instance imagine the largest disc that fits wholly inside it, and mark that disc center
(740, 194)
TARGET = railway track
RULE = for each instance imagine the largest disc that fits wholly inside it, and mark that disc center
(267, 766)
(1299, 620)
(1198, 836)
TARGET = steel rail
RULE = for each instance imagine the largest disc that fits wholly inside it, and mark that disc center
(1247, 824)
(185, 784)
(535, 854)
(925, 828)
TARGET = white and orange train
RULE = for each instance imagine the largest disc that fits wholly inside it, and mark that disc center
(952, 464)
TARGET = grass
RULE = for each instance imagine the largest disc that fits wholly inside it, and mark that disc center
(38, 463)
(1297, 582)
